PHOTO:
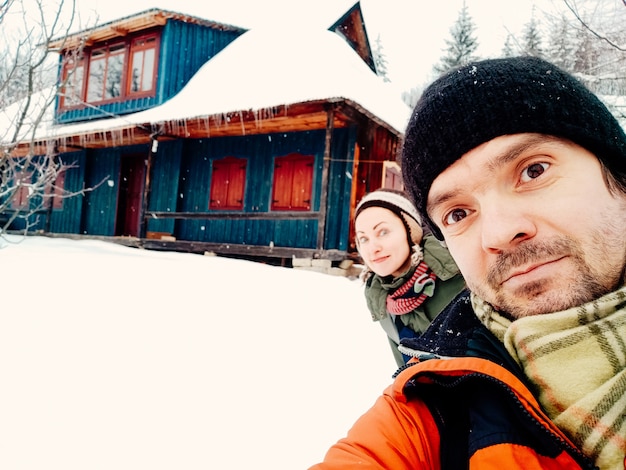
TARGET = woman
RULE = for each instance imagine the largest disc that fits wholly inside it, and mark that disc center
(409, 278)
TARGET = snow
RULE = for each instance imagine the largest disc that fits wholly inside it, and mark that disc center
(120, 358)
(261, 69)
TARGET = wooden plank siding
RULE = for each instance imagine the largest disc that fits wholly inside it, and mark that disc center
(185, 48)
(100, 206)
(67, 219)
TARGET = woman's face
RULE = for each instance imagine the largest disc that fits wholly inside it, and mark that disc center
(382, 241)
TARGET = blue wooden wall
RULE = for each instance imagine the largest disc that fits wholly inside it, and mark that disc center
(101, 203)
(185, 188)
(180, 183)
(185, 48)
(67, 220)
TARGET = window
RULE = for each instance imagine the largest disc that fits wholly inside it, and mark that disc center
(142, 67)
(392, 176)
(114, 71)
(293, 182)
(105, 73)
(24, 188)
(228, 182)
(73, 80)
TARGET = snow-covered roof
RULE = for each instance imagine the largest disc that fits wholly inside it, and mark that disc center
(265, 68)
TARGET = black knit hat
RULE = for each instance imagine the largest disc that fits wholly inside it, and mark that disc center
(483, 100)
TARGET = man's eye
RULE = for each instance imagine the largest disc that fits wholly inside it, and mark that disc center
(534, 171)
(455, 215)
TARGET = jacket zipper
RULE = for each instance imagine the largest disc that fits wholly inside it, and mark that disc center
(582, 459)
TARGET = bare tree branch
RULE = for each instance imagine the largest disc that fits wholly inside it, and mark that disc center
(29, 184)
(572, 7)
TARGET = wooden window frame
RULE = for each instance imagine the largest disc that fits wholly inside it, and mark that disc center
(129, 46)
(107, 54)
(72, 96)
(142, 44)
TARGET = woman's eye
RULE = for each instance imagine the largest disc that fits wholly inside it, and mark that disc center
(455, 215)
(362, 240)
(534, 171)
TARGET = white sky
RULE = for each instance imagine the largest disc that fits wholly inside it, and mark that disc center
(126, 359)
(413, 32)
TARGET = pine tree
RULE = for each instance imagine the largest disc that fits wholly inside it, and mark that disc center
(561, 46)
(411, 96)
(462, 45)
(509, 49)
(532, 38)
(380, 60)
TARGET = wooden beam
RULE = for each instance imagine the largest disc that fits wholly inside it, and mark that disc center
(254, 251)
(312, 115)
(138, 22)
(328, 141)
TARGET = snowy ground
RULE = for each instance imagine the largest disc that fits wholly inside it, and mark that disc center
(118, 358)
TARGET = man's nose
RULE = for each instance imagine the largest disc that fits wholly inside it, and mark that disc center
(505, 223)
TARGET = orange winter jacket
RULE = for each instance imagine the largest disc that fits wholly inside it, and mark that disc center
(465, 407)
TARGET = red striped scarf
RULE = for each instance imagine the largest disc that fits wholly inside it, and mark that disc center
(413, 292)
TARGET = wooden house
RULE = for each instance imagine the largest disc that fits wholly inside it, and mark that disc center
(198, 136)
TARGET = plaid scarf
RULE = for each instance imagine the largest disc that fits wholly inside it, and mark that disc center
(413, 292)
(577, 361)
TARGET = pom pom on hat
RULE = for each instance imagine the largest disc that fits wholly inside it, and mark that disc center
(486, 99)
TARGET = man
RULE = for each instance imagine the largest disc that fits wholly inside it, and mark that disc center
(522, 172)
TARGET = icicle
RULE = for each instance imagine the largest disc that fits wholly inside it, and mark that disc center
(243, 127)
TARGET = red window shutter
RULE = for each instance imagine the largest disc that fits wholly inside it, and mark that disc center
(302, 184)
(281, 190)
(293, 182)
(228, 183)
(236, 184)
(21, 196)
(55, 192)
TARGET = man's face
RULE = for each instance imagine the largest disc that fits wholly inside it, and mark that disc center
(531, 224)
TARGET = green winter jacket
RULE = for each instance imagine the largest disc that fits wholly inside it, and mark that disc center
(448, 284)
